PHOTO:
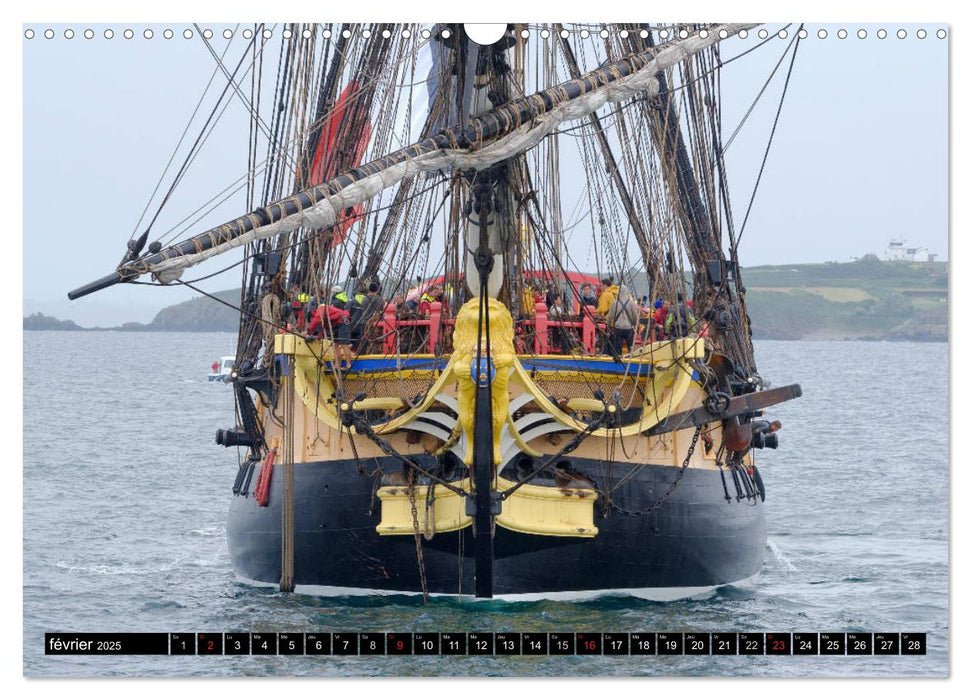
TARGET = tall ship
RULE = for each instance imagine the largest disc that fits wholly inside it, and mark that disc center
(493, 339)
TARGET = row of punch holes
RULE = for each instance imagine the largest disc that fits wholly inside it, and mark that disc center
(426, 33)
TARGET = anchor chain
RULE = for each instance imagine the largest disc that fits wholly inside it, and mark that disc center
(674, 484)
(430, 513)
(418, 549)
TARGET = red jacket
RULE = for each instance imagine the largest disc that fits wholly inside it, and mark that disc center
(425, 305)
(326, 316)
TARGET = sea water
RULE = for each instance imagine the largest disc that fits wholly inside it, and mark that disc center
(126, 496)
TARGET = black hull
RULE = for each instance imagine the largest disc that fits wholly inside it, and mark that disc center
(695, 541)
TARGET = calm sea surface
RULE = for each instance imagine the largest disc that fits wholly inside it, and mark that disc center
(126, 494)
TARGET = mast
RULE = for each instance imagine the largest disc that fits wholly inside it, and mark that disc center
(494, 136)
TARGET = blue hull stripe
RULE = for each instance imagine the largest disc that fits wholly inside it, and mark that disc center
(565, 364)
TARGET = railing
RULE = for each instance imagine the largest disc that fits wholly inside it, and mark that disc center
(391, 326)
(543, 326)
(587, 324)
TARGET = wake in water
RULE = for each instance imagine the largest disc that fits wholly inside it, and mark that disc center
(781, 558)
(118, 570)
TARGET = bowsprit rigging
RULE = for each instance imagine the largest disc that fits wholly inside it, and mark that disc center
(438, 391)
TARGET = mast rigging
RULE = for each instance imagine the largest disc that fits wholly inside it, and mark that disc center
(485, 140)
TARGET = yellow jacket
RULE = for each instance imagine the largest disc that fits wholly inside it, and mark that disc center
(529, 303)
(607, 297)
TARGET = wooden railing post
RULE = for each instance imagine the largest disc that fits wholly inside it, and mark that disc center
(541, 328)
(589, 330)
(435, 320)
(389, 329)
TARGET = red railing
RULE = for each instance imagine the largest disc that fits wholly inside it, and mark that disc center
(391, 325)
(542, 325)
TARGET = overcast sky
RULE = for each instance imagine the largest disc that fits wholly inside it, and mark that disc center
(859, 156)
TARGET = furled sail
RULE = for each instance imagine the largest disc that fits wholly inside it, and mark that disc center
(325, 161)
(512, 128)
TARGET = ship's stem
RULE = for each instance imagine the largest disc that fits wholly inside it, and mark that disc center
(483, 459)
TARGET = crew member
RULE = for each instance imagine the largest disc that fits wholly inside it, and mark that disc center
(529, 301)
(660, 316)
(342, 334)
(608, 292)
(588, 297)
(622, 319)
(680, 321)
(647, 318)
(338, 297)
(556, 308)
(298, 303)
(354, 308)
(433, 294)
(371, 307)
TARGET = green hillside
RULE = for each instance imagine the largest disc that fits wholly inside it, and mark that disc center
(199, 314)
(868, 298)
(877, 277)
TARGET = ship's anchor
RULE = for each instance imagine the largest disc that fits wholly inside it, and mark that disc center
(717, 403)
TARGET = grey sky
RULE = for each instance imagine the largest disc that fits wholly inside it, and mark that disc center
(860, 153)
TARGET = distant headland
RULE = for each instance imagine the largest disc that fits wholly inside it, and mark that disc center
(202, 314)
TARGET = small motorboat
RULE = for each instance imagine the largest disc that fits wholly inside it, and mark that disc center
(221, 368)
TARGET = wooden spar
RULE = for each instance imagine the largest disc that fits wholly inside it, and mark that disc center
(99, 284)
(494, 124)
(738, 405)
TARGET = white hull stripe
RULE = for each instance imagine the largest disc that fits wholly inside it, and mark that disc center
(653, 594)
